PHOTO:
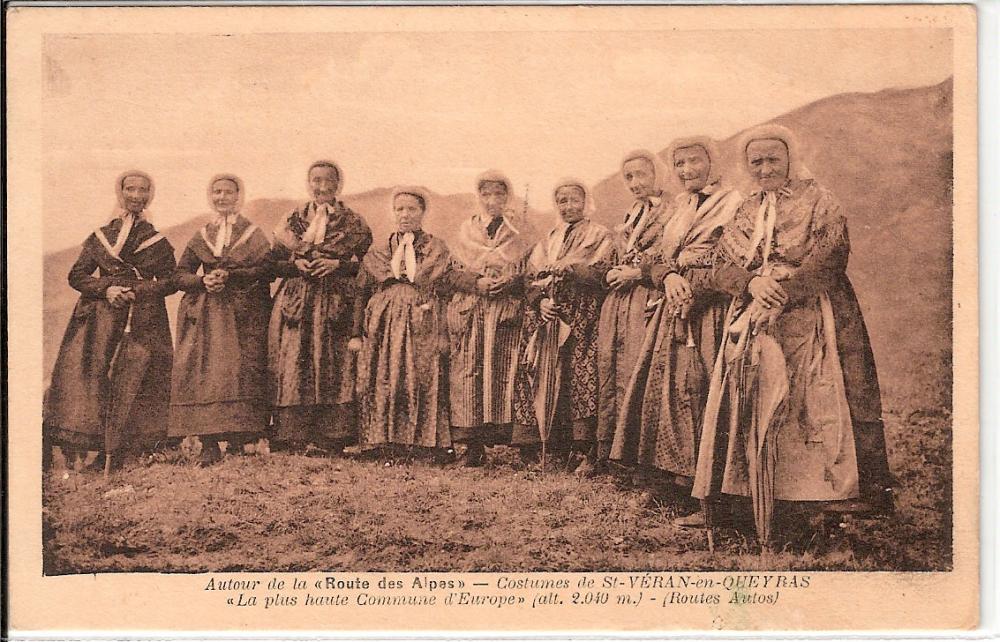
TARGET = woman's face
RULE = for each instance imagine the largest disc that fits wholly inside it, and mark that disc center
(409, 212)
(225, 196)
(570, 201)
(640, 177)
(767, 160)
(692, 165)
(493, 198)
(324, 182)
(135, 193)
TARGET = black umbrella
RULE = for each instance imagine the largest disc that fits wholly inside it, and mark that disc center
(125, 374)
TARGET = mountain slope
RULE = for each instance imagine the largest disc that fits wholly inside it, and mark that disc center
(445, 214)
(885, 155)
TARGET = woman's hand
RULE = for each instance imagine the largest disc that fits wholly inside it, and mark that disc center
(760, 316)
(767, 291)
(623, 275)
(555, 269)
(677, 289)
(683, 310)
(780, 272)
(212, 282)
(354, 345)
(484, 285)
(499, 285)
(304, 266)
(119, 296)
(215, 281)
(324, 267)
(549, 309)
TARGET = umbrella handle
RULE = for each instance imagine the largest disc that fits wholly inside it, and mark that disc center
(131, 306)
(706, 507)
(128, 321)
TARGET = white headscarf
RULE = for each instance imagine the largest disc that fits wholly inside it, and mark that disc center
(660, 171)
(711, 150)
(119, 185)
(326, 163)
(689, 228)
(642, 207)
(128, 220)
(224, 235)
(557, 235)
(496, 176)
(404, 254)
(319, 215)
(588, 207)
(796, 168)
(763, 230)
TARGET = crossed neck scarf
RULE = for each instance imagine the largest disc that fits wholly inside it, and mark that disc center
(404, 259)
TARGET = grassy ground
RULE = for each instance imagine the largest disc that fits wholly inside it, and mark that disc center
(280, 512)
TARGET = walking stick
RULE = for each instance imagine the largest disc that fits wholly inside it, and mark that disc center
(706, 504)
(706, 507)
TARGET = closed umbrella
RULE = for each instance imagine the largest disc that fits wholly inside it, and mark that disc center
(125, 374)
(764, 388)
(544, 352)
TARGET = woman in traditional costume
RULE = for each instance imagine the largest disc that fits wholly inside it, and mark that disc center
(111, 382)
(484, 320)
(401, 333)
(556, 383)
(317, 252)
(794, 410)
(219, 383)
(632, 297)
(659, 424)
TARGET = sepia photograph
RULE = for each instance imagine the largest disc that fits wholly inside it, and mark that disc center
(559, 290)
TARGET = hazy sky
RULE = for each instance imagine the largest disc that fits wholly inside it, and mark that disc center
(430, 108)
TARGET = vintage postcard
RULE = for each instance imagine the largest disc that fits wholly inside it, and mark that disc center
(494, 318)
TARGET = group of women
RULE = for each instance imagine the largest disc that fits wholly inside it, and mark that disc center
(712, 336)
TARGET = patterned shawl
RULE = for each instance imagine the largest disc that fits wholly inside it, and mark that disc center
(583, 242)
(690, 228)
(802, 212)
(479, 253)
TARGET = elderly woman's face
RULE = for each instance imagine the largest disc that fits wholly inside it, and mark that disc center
(135, 193)
(640, 177)
(768, 162)
(693, 166)
(493, 197)
(324, 182)
(409, 212)
(225, 196)
(570, 201)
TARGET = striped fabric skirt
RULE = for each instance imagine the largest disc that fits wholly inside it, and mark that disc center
(484, 334)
